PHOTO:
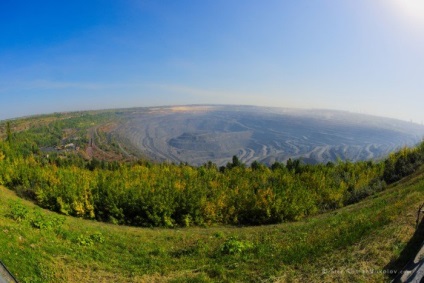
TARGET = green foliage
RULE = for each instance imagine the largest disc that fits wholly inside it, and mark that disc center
(403, 163)
(144, 194)
(18, 211)
(98, 237)
(91, 239)
(8, 133)
(84, 240)
(46, 222)
(234, 246)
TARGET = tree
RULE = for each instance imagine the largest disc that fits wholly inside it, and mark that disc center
(236, 163)
(8, 133)
(293, 165)
(277, 165)
(257, 166)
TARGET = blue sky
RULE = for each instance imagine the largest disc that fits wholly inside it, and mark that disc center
(356, 55)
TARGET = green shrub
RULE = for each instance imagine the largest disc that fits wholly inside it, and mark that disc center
(42, 221)
(84, 240)
(233, 246)
(18, 211)
(89, 240)
(98, 237)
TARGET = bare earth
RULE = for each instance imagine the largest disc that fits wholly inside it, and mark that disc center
(198, 134)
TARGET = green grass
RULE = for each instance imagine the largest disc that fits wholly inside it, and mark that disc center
(354, 243)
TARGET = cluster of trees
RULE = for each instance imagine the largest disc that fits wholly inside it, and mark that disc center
(149, 194)
(403, 163)
(145, 194)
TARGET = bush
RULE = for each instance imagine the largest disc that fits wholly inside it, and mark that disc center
(18, 211)
(89, 240)
(402, 163)
(41, 221)
(233, 246)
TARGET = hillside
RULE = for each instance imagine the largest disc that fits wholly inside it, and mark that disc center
(198, 134)
(202, 133)
(361, 242)
(332, 222)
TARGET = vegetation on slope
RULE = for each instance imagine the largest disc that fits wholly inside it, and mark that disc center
(148, 194)
(355, 243)
(145, 194)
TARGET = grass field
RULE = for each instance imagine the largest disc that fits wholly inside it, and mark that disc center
(360, 243)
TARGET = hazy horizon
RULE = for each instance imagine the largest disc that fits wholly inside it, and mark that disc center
(358, 56)
(301, 110)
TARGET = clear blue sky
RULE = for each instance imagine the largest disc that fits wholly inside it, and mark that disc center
(356, 55)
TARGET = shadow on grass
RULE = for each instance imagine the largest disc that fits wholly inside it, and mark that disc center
(405, 259)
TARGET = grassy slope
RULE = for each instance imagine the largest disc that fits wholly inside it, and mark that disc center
(351, 241)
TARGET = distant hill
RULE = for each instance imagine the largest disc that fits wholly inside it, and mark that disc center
(197, 134)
